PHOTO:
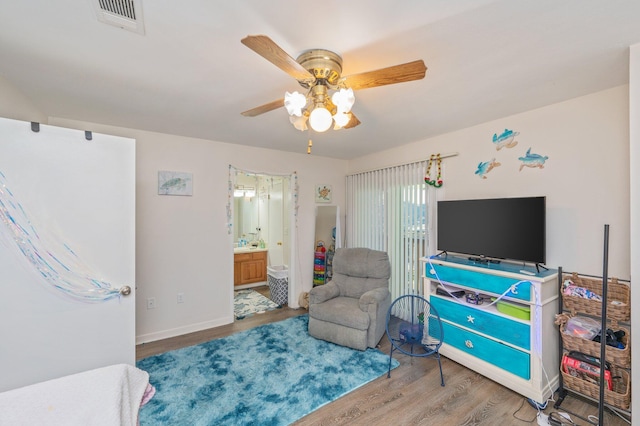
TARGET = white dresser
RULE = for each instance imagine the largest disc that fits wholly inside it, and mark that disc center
(518, 352)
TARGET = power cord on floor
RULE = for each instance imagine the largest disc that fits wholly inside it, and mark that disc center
(520, 408)
(554, 418)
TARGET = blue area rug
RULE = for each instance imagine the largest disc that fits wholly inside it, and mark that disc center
(273, 374)
(249, 302)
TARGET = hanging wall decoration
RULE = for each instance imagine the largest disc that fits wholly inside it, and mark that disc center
(505, 139)
(323, 193)
(230, 201)
(485, 167)
(55, 262)
(532, 160)
(296, 205)
(175, 183)
(437, 182)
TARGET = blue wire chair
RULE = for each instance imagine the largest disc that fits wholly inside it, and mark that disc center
(414, 328)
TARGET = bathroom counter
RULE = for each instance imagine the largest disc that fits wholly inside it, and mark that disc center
(248, 249)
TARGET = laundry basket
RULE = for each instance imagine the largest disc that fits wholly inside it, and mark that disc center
(278, 282)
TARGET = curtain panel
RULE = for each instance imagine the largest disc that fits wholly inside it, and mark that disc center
(390, 209)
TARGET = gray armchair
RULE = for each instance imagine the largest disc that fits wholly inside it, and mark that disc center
(350, 310)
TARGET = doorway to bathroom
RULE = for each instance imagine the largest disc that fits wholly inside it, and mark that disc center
(262, 210)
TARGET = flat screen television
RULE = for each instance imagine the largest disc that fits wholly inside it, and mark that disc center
(498, 228)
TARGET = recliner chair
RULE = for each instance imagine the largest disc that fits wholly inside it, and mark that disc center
(350, 310)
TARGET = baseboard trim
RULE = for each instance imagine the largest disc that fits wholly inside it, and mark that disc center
(179, 331)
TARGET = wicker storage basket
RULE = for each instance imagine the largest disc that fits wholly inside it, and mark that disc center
(619, 357)
(619, 397)
(618, 293)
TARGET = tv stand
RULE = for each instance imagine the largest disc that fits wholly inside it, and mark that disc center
(511, 350)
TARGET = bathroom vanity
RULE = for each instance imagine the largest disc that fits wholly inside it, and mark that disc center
(249, 265)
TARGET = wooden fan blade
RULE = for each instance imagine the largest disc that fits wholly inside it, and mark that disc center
(264, 108)
(410, 71)
(273, 53)
(353, 122)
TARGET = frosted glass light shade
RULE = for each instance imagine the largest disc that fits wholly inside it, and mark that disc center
(294, 102)
(320, 119)
(299, 123)
(341, 119)
(343, 99)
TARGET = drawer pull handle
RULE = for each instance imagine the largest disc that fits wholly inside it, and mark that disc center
(469, 344)
(470, 319)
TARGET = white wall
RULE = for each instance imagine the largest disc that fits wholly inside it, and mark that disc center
(585, 179)
(634, 195)
(13, 104)
(182, 242)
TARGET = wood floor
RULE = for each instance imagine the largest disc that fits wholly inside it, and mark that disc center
(412, 396)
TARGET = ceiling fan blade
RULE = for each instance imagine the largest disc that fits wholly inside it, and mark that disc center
(353, 122)
(273, 53)
(396, 74)
(264, 108)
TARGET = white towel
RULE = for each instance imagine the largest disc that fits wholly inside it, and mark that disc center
(105, 396)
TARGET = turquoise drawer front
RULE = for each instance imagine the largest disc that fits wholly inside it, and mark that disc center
(513, 332)
(505, 357)
(481, 281)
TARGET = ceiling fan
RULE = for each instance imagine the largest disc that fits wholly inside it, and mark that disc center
(329, 95)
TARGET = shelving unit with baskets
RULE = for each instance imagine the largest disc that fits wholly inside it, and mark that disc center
(618, 315)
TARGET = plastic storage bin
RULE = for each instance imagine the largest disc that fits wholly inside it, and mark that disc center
(278, 282)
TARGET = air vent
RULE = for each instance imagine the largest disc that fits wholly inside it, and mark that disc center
(125, 14)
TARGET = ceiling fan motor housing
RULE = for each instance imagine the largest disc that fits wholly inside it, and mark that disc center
(325, 65)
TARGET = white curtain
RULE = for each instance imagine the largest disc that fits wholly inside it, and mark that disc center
(387, 211)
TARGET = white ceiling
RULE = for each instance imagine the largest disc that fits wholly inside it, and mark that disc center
(190, 75)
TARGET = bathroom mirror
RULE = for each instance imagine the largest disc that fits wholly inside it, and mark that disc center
(247, 210)
(246, 207)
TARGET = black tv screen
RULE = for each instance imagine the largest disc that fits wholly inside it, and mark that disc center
(499, 228)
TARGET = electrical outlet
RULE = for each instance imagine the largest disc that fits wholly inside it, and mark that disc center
(180, 297)
(151, 303)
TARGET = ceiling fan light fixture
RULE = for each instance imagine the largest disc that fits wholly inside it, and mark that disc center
(294, 102)
(320, 119)
(320, 71)
(300, 122)
(343, 99)
(341, 119)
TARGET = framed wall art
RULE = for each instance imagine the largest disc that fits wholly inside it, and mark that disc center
(175, 183)
(323, 193)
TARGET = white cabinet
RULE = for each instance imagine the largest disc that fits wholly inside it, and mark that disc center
(514, 341)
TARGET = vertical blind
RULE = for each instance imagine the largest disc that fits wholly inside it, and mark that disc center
(387, 211)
